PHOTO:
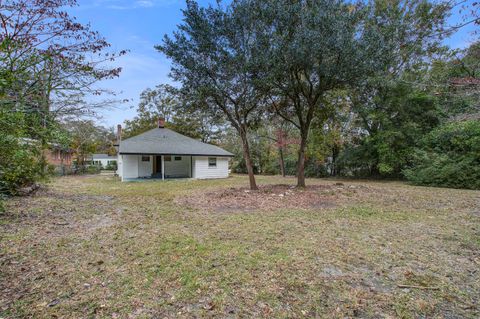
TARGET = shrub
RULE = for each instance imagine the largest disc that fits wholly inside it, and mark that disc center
(93, 169)
(111, 166)
(314, 168)
(21, 160)
(449, 157)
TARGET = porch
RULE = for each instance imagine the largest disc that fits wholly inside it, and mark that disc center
(144, 166)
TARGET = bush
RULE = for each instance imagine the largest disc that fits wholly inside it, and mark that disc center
(20, 165)
(93, 169)
(449, 157)
(86, 169)
(314, 168)
(111, 166)
(21, 158)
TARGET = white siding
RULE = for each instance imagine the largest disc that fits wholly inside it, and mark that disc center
(175, 168)
(104, 161)
(132, 166)
(145, 169)
(119, 165)
(129, 166)
(202, 171)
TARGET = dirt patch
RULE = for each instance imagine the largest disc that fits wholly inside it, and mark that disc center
(269, 197)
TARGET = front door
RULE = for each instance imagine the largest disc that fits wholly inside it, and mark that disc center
(158, 165)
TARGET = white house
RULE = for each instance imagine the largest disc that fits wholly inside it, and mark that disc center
(103, 159)
(162, 153)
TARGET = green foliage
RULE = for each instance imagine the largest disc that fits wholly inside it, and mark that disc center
(455, 78)
(449, 157)
(92, 169)
(111, 166)
(165, 101)
(21, 160)
(48, 63)
(86, 137)
(394, 120)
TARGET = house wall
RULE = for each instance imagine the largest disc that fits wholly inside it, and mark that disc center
(180, 168)
(119, 165)
(202, 171)
(58, 157)
(145, 169)
(129, 166)
(132, 166)
(103, 161)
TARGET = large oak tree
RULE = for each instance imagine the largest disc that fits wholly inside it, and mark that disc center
(320, 46)
(214, 58)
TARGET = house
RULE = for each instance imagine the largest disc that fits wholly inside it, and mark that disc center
(59, 157)
(103, 159)
(162, 153)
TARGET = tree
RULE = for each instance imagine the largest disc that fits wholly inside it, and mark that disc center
(449, 156)
(87, 138)
(321, 46)
(214, 57)
(330, 131)
(455, 79)
(165, 101)
(52, 59)
(154, 103)
(275, 133)
(395, 120)
(49, 63)
(316, 47)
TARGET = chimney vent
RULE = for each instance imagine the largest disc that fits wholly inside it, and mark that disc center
(161, 122)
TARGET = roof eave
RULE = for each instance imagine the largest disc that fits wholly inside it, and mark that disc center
(174, 154)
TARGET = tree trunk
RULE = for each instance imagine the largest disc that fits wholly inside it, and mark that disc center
(301, 161)
(248, 160)
(335, 152)
(282, 161)
(61, 163)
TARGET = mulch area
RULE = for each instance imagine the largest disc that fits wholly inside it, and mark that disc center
(269, 197)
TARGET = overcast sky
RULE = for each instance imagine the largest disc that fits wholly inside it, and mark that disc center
(138, 25)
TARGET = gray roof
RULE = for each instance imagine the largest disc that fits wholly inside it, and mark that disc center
(165, 141)
(103, 156)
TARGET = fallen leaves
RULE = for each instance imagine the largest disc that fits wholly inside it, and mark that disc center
(268, 197)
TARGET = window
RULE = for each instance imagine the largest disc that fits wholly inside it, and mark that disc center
(212, 162)
(178, 158)
(167, 158)
(145, 158)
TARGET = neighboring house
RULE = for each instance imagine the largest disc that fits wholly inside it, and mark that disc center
(103, 159)
(58, 155)
(163, 153)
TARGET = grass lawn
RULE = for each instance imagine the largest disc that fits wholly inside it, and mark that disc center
(93, 247)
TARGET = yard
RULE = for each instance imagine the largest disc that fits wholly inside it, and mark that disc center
(94, 247)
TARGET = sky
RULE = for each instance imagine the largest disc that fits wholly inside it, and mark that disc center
(139, 25)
